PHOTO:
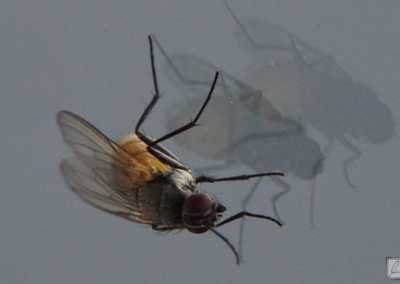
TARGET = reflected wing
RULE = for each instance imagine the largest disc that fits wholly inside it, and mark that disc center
(237, 110)
(195, 74)
(102, 173)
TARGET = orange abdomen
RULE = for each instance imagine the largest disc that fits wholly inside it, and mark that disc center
(138, 150)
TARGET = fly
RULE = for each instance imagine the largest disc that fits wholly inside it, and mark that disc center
(140, 180)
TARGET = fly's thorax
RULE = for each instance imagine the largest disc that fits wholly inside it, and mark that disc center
(161, 200)
(183, 180)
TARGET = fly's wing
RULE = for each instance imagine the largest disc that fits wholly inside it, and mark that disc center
(84, 139)
(101, 186)
(101, 173)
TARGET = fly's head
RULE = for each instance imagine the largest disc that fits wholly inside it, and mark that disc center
(200, 211)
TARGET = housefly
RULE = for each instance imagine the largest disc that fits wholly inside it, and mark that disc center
(140, 180)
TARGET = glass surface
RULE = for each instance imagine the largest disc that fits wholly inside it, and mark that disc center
(308, 88)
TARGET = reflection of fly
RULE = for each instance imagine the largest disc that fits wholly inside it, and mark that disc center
(140, 180)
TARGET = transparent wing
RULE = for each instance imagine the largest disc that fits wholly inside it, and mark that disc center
(101, 173)
(86, 140)
(102, 186)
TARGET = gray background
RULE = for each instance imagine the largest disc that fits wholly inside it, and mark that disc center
(91, 57)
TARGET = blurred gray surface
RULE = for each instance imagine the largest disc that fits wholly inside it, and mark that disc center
(92, 58)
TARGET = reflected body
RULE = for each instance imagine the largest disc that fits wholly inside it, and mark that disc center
(312, 88)
(291, 82)
(241, 126)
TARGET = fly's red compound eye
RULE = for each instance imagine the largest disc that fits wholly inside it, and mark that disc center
(198, 213)
(198, 204)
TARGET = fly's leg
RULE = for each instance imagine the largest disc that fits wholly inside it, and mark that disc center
(159, 148)
(222, 237)
(163, 229)
(248, 214)
(238, 216)
(153, 146)
(183, 77)
(233, 178)
(193, 122)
